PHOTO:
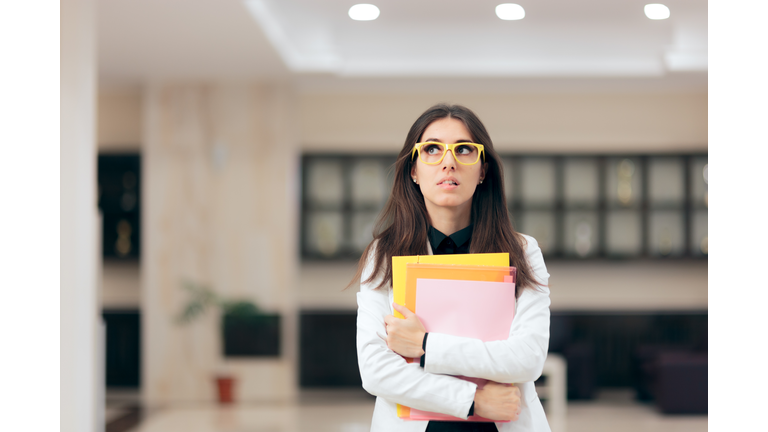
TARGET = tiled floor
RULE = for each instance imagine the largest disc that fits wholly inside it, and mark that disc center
(351, 412)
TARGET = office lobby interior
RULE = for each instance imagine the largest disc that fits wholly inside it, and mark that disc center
(242, 151)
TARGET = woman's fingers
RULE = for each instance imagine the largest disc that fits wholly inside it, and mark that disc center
(498, 402)
(404, 336)
(389, 319)
(403, 310)
(411, 321)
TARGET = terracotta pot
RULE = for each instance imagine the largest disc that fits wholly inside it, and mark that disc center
(225, 386)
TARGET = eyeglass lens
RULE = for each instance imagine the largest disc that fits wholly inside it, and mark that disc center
(433, 152)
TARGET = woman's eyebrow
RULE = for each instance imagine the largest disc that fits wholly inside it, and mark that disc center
(439, 140)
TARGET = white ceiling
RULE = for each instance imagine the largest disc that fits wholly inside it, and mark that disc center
(417, 44)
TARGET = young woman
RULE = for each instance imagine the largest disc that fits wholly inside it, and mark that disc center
(448, 197)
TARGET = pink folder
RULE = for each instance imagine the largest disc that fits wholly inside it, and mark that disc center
(480, 310)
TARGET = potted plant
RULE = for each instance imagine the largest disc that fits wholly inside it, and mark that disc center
(246, 331)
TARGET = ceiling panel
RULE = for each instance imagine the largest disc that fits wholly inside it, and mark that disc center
(315, 42)
(140, 40)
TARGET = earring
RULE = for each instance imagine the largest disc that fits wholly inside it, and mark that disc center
(481, 182)
(414, 180)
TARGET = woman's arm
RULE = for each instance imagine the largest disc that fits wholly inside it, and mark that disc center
(386, 374)
(520, 358)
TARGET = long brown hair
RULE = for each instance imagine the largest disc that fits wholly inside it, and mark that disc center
(401, 228)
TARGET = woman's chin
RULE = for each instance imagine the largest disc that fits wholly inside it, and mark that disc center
(451, 202)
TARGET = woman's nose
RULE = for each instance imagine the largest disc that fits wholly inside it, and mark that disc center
(448, 160)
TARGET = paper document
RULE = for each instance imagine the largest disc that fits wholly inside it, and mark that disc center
(399, 267)
(479, 310)
(474, 309)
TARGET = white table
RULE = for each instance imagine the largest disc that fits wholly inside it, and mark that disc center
(554, 392)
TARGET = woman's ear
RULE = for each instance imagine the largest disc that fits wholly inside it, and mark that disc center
(483, 170)
(413, 174)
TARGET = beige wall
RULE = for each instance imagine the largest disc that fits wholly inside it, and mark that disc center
(571, 123)
(120, 285)
(219, 169)
(529, 123)
(120, 119)
(574, 285)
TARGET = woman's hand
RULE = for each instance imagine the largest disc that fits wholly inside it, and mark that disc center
(405, 336)
(498, 401)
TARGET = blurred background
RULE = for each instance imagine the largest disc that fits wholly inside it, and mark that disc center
(223, 162)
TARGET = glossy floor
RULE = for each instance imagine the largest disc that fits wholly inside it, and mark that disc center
(351, 412)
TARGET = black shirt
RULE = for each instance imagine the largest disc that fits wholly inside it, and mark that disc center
(456, 243)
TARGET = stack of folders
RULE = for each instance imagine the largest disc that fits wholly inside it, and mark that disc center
(470, 295)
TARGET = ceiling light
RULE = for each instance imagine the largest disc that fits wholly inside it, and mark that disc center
(510, 11)
(363, 12)
(656, 11)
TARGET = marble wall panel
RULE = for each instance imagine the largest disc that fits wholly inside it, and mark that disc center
(220, 170)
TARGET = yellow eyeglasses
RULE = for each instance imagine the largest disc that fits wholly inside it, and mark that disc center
(432, 153)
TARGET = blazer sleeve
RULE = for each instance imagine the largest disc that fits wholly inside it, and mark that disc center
(386, 374)
(520, 358)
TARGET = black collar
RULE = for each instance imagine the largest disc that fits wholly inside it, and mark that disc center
(459, 238)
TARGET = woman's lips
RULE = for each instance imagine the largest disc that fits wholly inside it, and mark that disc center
(446, 184)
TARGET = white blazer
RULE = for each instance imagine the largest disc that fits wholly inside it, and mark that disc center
(519, 359)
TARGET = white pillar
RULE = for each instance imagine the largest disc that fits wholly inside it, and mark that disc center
(219, 166)
(78, 218)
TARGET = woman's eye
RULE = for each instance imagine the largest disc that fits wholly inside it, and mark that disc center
(465, 149)
(434, 149)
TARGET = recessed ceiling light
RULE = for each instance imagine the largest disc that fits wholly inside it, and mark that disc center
(363, 12)
(510, 11)
(656, 11)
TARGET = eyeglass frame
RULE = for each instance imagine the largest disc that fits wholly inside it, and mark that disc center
(449, 147)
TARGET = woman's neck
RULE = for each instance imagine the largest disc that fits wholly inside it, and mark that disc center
(448, 220)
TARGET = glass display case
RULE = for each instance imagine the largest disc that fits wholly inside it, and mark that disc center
(580, 236)
(537, 182)
(699, 196)
(623, 230)
(325, 182)
(666, 181)
(341, 197)
(541, 226)
(325, 232)
(576, 206)
(581, 182)
(623, 182)
(666, 233)
(119, 200)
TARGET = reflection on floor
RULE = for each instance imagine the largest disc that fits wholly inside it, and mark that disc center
(123, 412)
(345, 411)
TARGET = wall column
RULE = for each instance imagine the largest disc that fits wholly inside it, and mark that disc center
(220, 209)
(79, 226)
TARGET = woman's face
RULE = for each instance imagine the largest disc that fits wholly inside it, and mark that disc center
(448, 185)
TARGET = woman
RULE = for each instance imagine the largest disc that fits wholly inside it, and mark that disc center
(449, 198)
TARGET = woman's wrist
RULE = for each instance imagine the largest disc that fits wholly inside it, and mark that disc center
(423, 358)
